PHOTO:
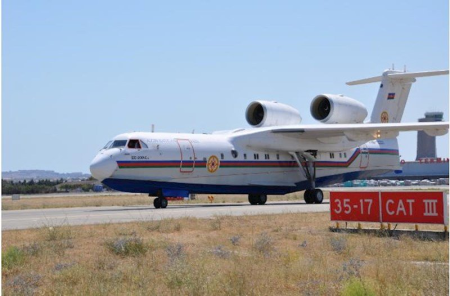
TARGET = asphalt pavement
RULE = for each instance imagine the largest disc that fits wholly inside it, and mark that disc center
(23, 219)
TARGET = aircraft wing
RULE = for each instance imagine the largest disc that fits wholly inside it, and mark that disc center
(329, 137)
(360, 132)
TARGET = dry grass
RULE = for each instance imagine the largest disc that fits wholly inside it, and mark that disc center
(290, 254)
(71, 201)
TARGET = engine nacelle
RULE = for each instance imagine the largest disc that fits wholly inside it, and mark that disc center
(265, 113)
(337, 109)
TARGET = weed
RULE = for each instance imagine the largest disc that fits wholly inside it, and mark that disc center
(355, 287)
(264, 244)
(59, 247)
(54, 233)
(338, 244)
(153, 226)
(62, 266)
(235, 240)
(12, 257)
(216, 224)
(24, 284)
(33, 249)
(351, 269)
(220, 252)
(164, 226)
(131, 246)
(105, 264)
(310, 287)
(177, 226)
(175, 252)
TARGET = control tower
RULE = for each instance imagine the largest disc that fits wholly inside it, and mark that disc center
(426, 145)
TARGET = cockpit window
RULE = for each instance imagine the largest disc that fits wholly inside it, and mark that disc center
(118, 144)
(107, 145)
(144, 145)
(134, 144)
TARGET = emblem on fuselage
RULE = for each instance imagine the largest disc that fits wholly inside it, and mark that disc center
(213, 164)
(384, 117)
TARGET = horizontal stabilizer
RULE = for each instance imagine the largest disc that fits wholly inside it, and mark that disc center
(405, 75)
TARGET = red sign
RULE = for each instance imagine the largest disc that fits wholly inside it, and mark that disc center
(390, 207)
(413, 207)
(355, 206)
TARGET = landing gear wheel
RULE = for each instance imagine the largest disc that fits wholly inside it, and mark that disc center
(309, 196)
(253, 199)
(157, 203)
(163, 202)
(318, 195)
(262, 199)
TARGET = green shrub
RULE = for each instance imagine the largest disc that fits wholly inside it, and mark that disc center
(355, 287)
(12, 257)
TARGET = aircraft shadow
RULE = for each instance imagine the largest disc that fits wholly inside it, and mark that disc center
(193, 206)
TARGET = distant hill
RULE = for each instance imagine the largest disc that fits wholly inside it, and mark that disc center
(41, 175)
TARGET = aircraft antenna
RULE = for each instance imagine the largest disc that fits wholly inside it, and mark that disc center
(153, 128)
(404, 68)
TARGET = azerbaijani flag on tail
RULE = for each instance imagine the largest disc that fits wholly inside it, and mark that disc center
(391, 96)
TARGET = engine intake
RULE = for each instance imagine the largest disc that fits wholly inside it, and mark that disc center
(265, 113)
(337, 109)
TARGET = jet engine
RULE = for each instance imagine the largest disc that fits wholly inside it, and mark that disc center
(265, 113)
(337, 109)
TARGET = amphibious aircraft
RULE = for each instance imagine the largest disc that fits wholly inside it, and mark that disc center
(278, 155)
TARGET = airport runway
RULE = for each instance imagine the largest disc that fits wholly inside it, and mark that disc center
(23, 219)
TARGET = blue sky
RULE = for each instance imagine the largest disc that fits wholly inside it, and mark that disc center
(76, 73)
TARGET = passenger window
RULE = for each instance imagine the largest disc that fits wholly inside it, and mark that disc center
(234, 153)
(266, 156)
(278, 156)
(134, 144)
(221, 155)
(256, 156)
(245, 155)
(345, 154)
(340, 155)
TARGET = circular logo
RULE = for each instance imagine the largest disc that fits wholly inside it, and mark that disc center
(213, 164)
(384, 117)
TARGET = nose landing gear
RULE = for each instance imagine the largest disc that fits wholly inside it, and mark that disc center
(257, 199)
(160, 201)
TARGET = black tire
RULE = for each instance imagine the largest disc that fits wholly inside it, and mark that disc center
(163, 202)
(262, 199)
(318, 196)
(253, 199)
(157, 203)
(308, 196)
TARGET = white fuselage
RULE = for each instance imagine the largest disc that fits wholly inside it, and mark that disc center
(225, 163)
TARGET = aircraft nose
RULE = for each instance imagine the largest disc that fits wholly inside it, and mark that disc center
(102, 167)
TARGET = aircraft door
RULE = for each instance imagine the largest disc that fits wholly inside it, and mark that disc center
(187, 154)
(364, 157)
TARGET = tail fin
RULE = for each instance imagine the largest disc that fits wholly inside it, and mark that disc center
(393, 93)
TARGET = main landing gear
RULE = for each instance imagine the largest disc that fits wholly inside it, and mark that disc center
(306, 162)
(313, 196)
(257, 199)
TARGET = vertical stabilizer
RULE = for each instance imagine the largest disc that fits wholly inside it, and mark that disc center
(393, 93)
